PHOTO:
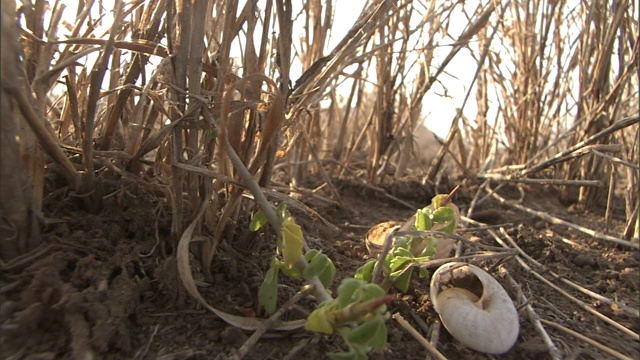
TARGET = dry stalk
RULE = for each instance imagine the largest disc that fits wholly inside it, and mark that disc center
(554, 220)
(631, 334)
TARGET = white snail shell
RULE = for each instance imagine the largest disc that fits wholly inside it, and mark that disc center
(474, 308)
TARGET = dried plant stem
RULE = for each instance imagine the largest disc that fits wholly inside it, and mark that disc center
(416, 335)
(555, 220)
(616, 126)
(590, 341)
(554, 352)
(97, 76)
(274, 192)
(615, 160)
(324, 174)
(42, 133)
(577, 301)
(253, 339)
(516, 179)
(625, 308)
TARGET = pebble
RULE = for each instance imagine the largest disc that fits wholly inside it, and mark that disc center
(583, 260)
(233, 336)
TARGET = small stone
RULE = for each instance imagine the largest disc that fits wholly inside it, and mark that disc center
(233, 336)
(103, 285)
(583, 260)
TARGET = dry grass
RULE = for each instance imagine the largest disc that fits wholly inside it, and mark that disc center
(160, 88)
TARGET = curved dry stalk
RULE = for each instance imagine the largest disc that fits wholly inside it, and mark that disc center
(314, 155)
(517, 179)
(184, 271)
(97, 77)
(50, 144)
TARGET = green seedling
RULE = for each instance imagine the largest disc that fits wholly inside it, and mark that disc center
(289, 247)
(408, 251)
(359, 311)
(358, 314)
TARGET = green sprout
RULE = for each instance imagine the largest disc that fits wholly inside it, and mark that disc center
(359, 312)
(409, 251)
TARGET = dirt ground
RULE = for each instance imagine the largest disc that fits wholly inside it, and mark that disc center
(103, 285)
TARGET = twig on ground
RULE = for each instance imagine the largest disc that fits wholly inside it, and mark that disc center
(377, 270)
(423, 325)
(473, 258)
(145, 350)
(435, 332)
(627, 309)
(554, 352)
(316, 158)
(558, 221)
(416, 335)
(294, 350)
(253, 339)
(579, 302)
(614, 159)
(476, 198)
(480, 226)
(590, 341)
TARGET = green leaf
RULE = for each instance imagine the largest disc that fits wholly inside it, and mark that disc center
(282, 212)
(402, 242)
(293, 272)
(268, 293)
(311, 254)
(257, 221)
(424, 273)
(365, 272)
(371, 333)
(321, 266)
(443, 215)
(346, 291)
(396, 252)
(292, 242)
(321, 319)
(402, 278)
(438, 200)
(372, 291)
(423, 221)
(430, 249)
(351, 355)
(398, 262)
(449, 229)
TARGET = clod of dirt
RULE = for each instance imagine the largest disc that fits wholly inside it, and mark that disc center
(631, 278)
(233, 336)
(488, 216)
(584, 260)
